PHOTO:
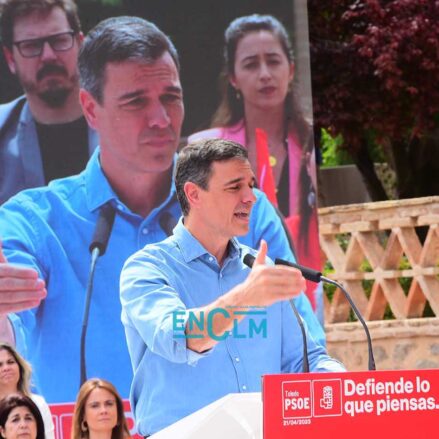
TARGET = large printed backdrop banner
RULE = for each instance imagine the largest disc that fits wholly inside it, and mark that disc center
(175, 23)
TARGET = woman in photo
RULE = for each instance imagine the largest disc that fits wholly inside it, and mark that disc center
(259, 110)
(99, 412)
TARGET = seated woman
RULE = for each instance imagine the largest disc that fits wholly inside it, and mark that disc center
(259, 110)
(15, 375)
(20, 417)
(99, 412)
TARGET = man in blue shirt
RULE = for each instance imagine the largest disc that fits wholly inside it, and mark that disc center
(131, 94)
(198, 275)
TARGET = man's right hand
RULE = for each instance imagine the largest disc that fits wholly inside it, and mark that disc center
(20, 287)
(267, 284)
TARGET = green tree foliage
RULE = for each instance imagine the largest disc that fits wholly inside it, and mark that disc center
(375, 77)
(332, 153)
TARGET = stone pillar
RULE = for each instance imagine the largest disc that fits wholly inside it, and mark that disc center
(397, 344)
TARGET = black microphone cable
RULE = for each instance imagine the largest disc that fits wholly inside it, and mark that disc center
(316, 276)
(305, 362)
(371, 359)
(249, 261)
(97, 248)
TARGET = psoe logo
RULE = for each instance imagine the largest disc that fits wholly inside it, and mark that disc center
(296, 399)
(253, 326)
(327, 397)
(327, 401)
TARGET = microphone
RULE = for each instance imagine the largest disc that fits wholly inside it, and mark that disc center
(316, 276)
(103, 229)
(249, 261)
(97, 248)
(307, 273)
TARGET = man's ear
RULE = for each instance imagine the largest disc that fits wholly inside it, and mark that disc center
(9, 59)
(89, 106)
(192, 192)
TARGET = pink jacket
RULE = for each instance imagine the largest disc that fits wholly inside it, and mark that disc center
(236, 133)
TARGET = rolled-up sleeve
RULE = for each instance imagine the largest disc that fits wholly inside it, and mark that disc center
(154, 312)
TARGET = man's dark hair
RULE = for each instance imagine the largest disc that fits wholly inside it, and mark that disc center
(195, 161)
(116, 40)
(10, 10)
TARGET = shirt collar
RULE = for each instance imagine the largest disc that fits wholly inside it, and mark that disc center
(98, 189)
(192, 249)
(26, 115)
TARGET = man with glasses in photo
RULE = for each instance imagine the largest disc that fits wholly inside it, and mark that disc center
(43, 134)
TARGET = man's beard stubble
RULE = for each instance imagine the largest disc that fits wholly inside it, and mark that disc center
(55, 97)
(55, 92)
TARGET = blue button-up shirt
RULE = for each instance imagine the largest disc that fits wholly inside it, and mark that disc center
(50, 230)
(159, 285)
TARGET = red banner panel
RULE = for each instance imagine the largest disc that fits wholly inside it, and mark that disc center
(378, 404)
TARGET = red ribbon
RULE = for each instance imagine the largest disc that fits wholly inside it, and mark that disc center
(264, 172)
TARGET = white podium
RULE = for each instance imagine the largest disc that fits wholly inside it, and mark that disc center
(236, 415)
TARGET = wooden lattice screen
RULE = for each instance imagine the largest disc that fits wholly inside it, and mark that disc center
(386, 255)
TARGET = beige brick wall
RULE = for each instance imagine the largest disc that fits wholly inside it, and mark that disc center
(397, 344)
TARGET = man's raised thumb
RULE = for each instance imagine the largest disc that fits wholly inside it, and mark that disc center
(262, 253)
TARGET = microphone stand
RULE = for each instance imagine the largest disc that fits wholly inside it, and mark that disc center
(316, 276)
(94, 258)
(371, 360)
(305, 362)
(97, 248)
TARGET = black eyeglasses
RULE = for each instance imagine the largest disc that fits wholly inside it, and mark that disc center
(58, 42)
